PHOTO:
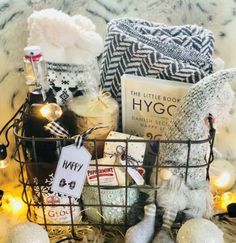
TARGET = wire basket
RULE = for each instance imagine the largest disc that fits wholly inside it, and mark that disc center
(100, 206)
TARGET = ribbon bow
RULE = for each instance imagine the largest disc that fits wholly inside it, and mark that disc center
(102, 100)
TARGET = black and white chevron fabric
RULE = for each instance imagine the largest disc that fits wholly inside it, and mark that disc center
(139, 47)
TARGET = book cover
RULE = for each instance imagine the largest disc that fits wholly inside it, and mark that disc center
(148, 104)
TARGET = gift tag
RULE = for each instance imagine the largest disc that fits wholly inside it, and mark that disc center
(136, 176)
(71, 171)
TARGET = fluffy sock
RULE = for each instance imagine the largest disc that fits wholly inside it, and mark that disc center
(144, 230)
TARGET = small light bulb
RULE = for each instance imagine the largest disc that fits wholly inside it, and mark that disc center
(226, 199)
(16, 204)
(222, 175)
(51, 111)
(3, 156)
(4, 163)
(222, 180)
(12, 204)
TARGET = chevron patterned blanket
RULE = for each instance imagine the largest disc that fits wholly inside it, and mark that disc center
(143, 48)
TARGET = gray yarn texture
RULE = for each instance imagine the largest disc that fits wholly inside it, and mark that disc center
(188, 124)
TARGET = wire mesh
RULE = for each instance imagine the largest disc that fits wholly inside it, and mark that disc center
(100, 206)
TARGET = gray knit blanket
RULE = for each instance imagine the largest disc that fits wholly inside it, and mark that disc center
(143, 48)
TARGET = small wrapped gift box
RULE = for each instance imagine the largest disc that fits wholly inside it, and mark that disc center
(131, 155)
(136, 150)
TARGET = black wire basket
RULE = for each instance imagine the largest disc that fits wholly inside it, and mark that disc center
(100, 206)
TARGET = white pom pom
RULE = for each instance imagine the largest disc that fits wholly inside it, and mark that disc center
(199, 231)
(27, 233)
(84, 22)
(52, 29)
(90, 41)
(52, 26)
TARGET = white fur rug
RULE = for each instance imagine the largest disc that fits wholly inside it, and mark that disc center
(217, 15)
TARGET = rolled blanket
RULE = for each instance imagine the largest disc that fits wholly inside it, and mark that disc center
(143, 48)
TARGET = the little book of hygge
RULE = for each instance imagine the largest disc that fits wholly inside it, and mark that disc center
(148, 104)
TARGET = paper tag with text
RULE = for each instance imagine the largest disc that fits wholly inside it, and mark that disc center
(136, 176)
(107, 176)
(71, 171)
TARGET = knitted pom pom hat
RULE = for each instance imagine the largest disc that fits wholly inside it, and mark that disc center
(188, 123)
(193, 196)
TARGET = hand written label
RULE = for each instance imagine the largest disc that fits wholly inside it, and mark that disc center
(72, 165)
(71, 171)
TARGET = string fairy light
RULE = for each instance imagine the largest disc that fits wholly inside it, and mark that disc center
(222, 175)
(13, 205)
(221, 202)
(3, 147)
(51, 111)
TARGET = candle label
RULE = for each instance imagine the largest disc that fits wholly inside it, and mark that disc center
(71, 171)
(53, 213)
(107, 176)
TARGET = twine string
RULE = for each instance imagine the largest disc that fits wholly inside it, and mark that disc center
(101, 100)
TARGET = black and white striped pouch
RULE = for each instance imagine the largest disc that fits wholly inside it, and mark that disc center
(143, 48)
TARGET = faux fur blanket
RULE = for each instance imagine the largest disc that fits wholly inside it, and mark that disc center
(218, 16)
